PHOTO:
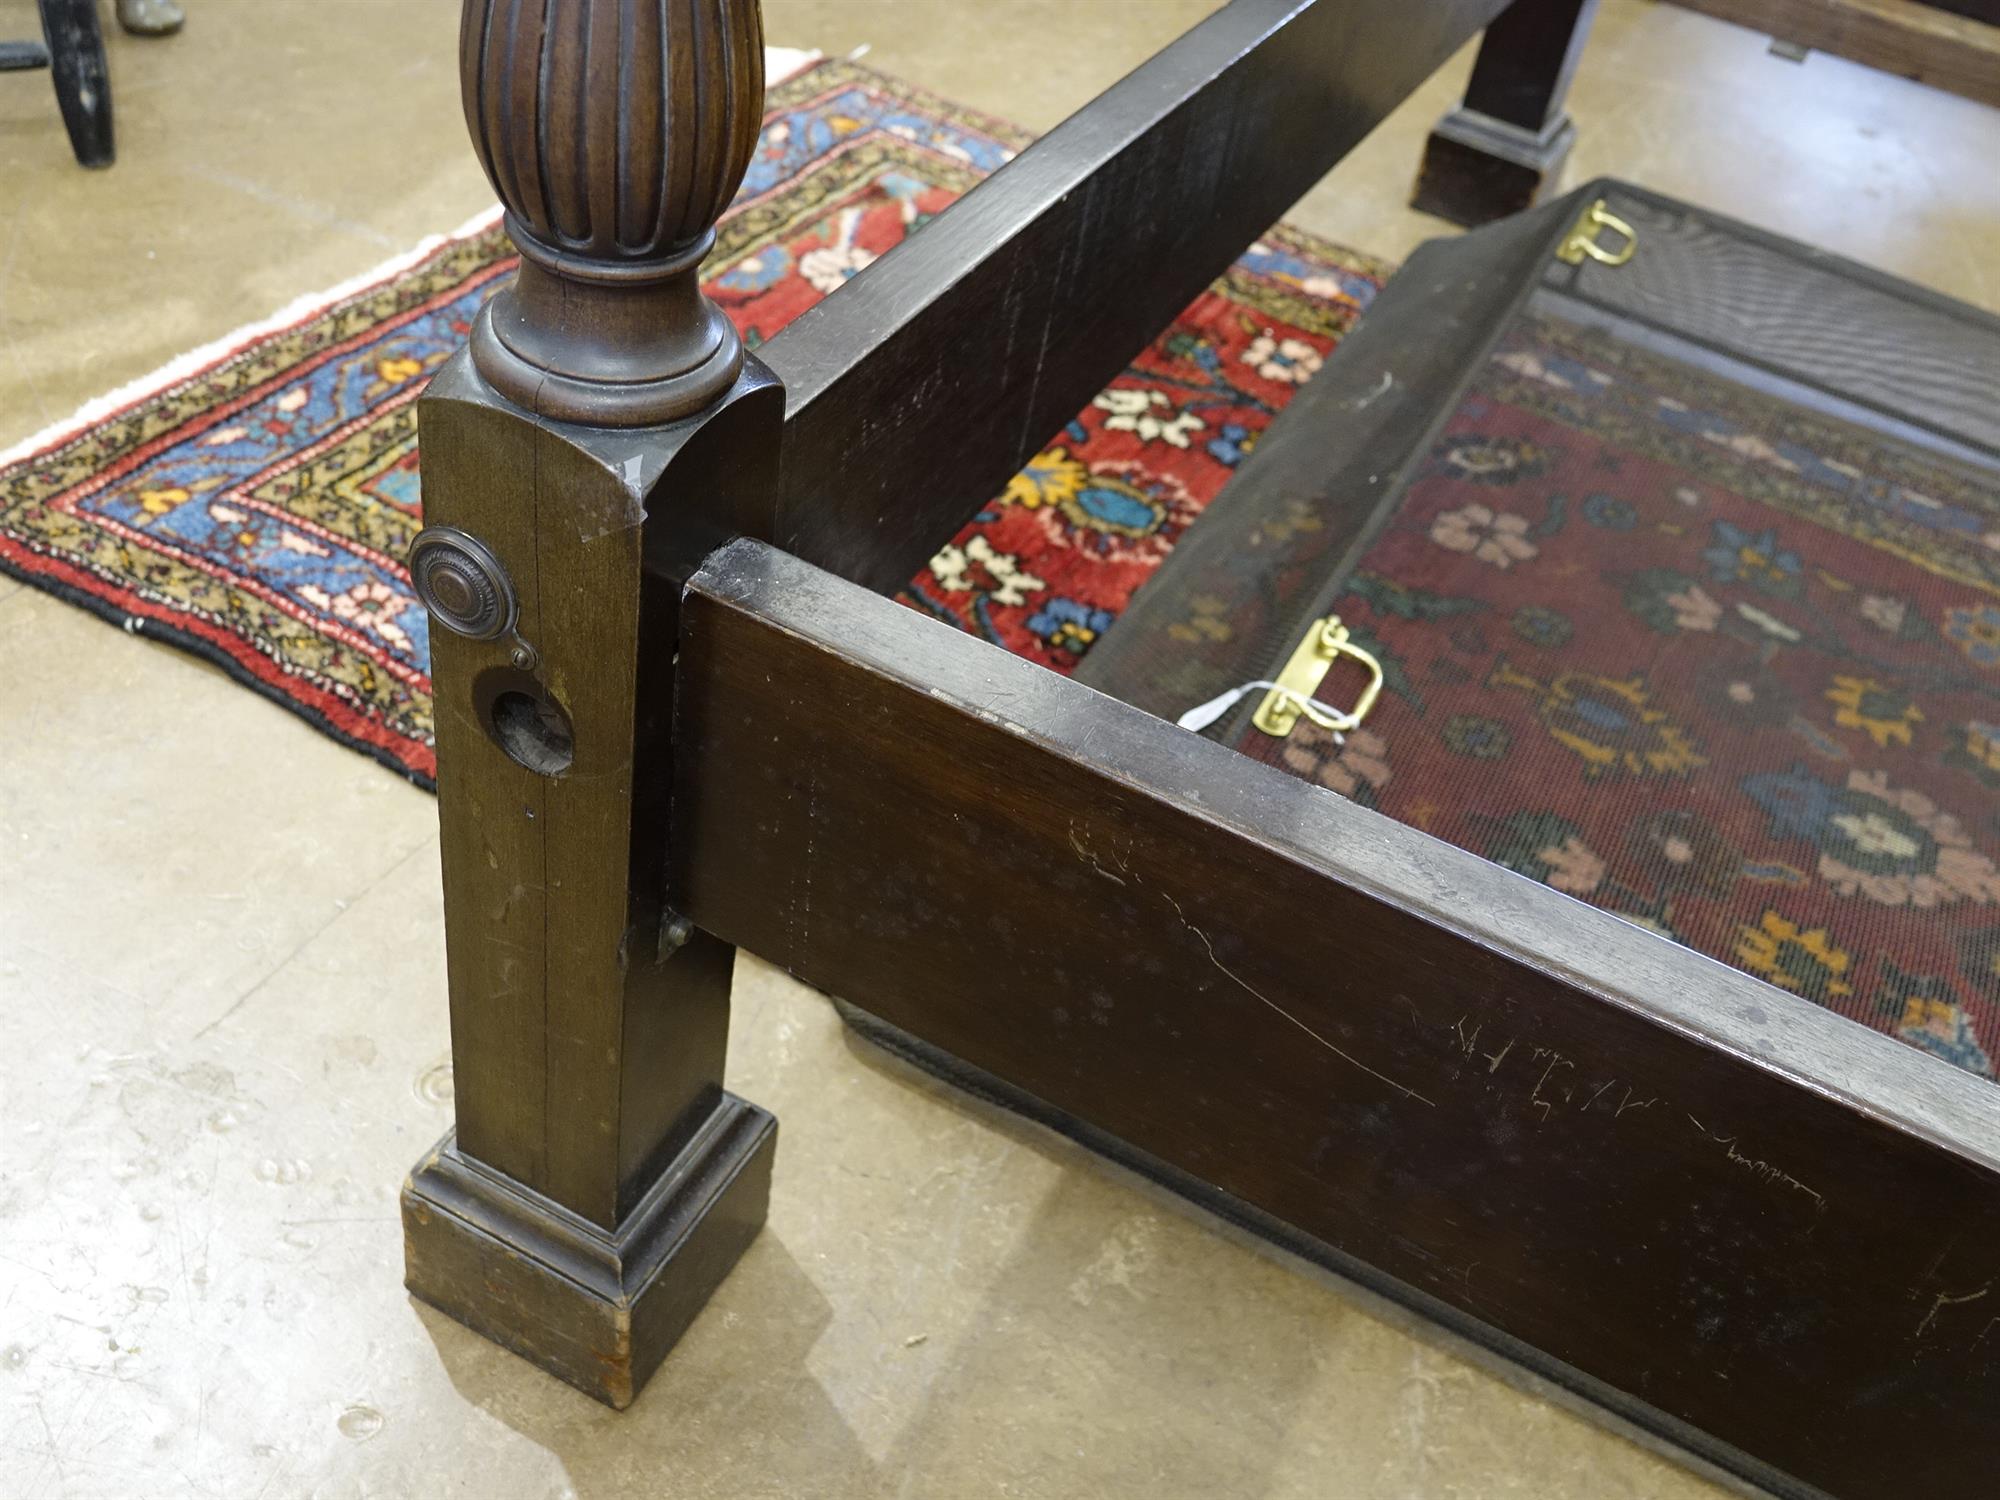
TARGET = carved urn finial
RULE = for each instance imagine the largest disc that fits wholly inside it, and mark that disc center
(615, 132)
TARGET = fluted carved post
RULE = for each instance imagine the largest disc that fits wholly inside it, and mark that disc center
(615, 132)
(603, 429)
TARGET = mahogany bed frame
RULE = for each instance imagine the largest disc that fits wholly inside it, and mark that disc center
(678, 715)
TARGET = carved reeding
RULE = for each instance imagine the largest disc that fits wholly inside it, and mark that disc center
(615, 132)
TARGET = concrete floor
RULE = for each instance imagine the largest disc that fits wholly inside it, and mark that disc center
(220, 955)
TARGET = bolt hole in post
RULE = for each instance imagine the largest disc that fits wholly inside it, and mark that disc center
(533, 729)
(467, 591)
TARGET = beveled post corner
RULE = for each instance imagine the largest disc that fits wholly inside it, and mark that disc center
(603, 429)
(1503, 150)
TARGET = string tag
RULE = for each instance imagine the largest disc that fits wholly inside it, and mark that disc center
(1202, 715)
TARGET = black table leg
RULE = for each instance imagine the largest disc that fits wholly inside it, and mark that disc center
(83, 83)
(1503, 149)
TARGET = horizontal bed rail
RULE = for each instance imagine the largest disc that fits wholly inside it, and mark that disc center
(1730, 1216)
(915, 393)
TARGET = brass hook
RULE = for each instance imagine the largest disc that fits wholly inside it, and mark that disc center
(1581, 240)
(1293, 696)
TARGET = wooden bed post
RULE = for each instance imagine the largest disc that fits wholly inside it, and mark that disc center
(1503, 149)
(603, 430)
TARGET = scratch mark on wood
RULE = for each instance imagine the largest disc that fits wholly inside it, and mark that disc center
(1494, 1059)
(1465, 1283)
(1758, 1165)
(1628, 1102)
(1465, 1043)
(1946, 1299)
(1938, 1259)
(1556, 1060)
(1258, 995)
(1083, 852)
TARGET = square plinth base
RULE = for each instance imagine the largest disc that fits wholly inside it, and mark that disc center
(597, 1307)
(1477, 169)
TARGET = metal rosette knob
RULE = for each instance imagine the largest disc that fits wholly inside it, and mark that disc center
(462, 583)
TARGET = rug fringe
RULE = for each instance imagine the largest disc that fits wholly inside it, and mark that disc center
(780, 63)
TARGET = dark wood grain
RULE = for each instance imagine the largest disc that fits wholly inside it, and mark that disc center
(981, 336)
(1952, 47)
(1726, 1208)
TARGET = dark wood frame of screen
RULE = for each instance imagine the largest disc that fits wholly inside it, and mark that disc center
(677, 715)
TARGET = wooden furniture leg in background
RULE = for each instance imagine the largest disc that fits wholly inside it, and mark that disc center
(74, 53)
(599, 1183)
(1503, 149)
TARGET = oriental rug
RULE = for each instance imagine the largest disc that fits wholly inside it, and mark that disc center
(254, 503)
(1717, 661)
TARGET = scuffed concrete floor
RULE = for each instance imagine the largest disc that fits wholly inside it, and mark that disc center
(221, 970)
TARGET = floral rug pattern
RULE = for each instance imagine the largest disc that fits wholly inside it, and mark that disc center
(256, 507)
(1721, 665)
(1046, 568)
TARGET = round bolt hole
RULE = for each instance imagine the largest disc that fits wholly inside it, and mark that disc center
(534, 731)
